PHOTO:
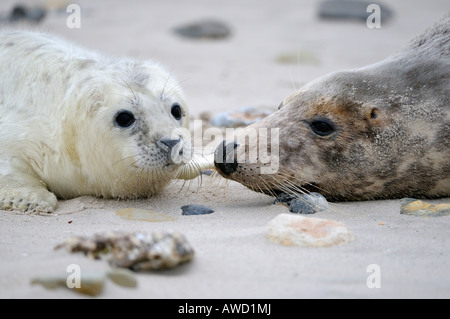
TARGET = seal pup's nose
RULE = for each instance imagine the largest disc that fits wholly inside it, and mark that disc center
(167, 144)
(173, 148)
(225, 158)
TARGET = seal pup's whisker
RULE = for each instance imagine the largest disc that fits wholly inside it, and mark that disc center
(166, 97)
(165, 84)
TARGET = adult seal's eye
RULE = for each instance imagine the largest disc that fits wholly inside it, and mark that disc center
(321, 127)
(124, 119)
(176, 111)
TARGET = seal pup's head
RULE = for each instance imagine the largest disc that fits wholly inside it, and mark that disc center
(126, 134)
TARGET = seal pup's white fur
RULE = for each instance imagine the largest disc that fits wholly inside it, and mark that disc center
(59, 134)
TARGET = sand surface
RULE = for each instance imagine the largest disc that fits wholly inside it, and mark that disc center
(233, 257)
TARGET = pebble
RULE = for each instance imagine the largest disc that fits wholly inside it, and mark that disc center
(32, 14)
(239, 118)
(122, 277)
(308, 204)
(90, 284)
(206, 29)
(298, 58)
(303, 204)
(350, 9)
(297, 230)
(415, 207)
(194, 209)
(143, 215)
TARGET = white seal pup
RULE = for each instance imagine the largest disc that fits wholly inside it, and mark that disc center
(77, 123)
(378, 132)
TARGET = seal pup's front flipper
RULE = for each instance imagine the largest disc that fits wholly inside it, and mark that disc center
(21, 189)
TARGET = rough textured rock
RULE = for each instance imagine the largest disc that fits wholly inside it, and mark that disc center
(136, 251)
(411, 206)
(297, 230)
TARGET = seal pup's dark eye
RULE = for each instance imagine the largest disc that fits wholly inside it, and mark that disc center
(176, 111)
(124, 119)
(321, 127)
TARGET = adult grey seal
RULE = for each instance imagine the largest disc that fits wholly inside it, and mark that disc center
(377, 132)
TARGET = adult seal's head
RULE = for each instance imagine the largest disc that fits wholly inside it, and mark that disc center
(77, 123)
(381, 131)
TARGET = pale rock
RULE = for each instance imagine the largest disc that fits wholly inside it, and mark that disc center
(297, 230)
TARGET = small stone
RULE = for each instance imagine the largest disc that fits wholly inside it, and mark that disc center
(239, 118)
(350, 9)
(303, 204)
(33, 14)
(90, 284)
(415, 207)
(297, 230)
(122, 277)
(207, 29)
(284, 199)
(194, 209)
(143, 215)
(207, 172)
(205, 116)
(298, 58)
(308, 204)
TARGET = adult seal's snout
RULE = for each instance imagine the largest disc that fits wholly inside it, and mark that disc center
(225, 158)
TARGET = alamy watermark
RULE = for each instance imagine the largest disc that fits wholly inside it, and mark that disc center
(374, 279)
(74, 276)
(73, 21)
(374, 19)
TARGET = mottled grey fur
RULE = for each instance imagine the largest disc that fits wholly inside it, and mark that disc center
(392, 129)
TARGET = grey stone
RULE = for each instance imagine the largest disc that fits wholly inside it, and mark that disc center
(194, 209)
(207, 29)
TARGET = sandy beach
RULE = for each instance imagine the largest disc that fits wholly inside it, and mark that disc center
(274, 47)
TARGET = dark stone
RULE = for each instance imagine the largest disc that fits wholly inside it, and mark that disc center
(284, 199)
(33, 14)
(303, 204)
(308, 204)
(350, 9)
(207, 29)
(194, 209)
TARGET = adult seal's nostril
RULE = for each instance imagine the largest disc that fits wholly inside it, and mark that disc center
(225, 158)
(167, 144)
